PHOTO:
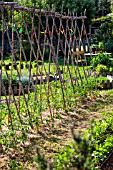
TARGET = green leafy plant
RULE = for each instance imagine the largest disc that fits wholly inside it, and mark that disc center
(101, 69)
(25, 80)
(102, 138)
(6, 80)
(94, 46)
(109, 45)
(89, 83)
(101, 59)
(101, 45)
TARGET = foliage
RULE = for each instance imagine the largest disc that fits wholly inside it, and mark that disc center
(77, 154)
(94, 46)
(105, 20)
(102, 138)
(76, 6)
(95, 144)
(105, 32)
(25, 80)
(101, 69)
(103, 7)
(100, 19)
(15, 80)
(109, 45)
(99, 143)
(101, 59)
(6, 81)
(101, 45)
(86, 151)
(84, 85)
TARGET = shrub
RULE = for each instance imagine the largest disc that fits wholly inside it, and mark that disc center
(101, 45)
(25, 80)
(15, 80)
(109, 45)
(101, 69)
(101, 59)
(5, 81)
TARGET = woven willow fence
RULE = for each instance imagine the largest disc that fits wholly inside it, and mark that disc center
(46, 53)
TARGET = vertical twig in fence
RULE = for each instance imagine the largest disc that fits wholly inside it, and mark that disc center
(20, 58)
